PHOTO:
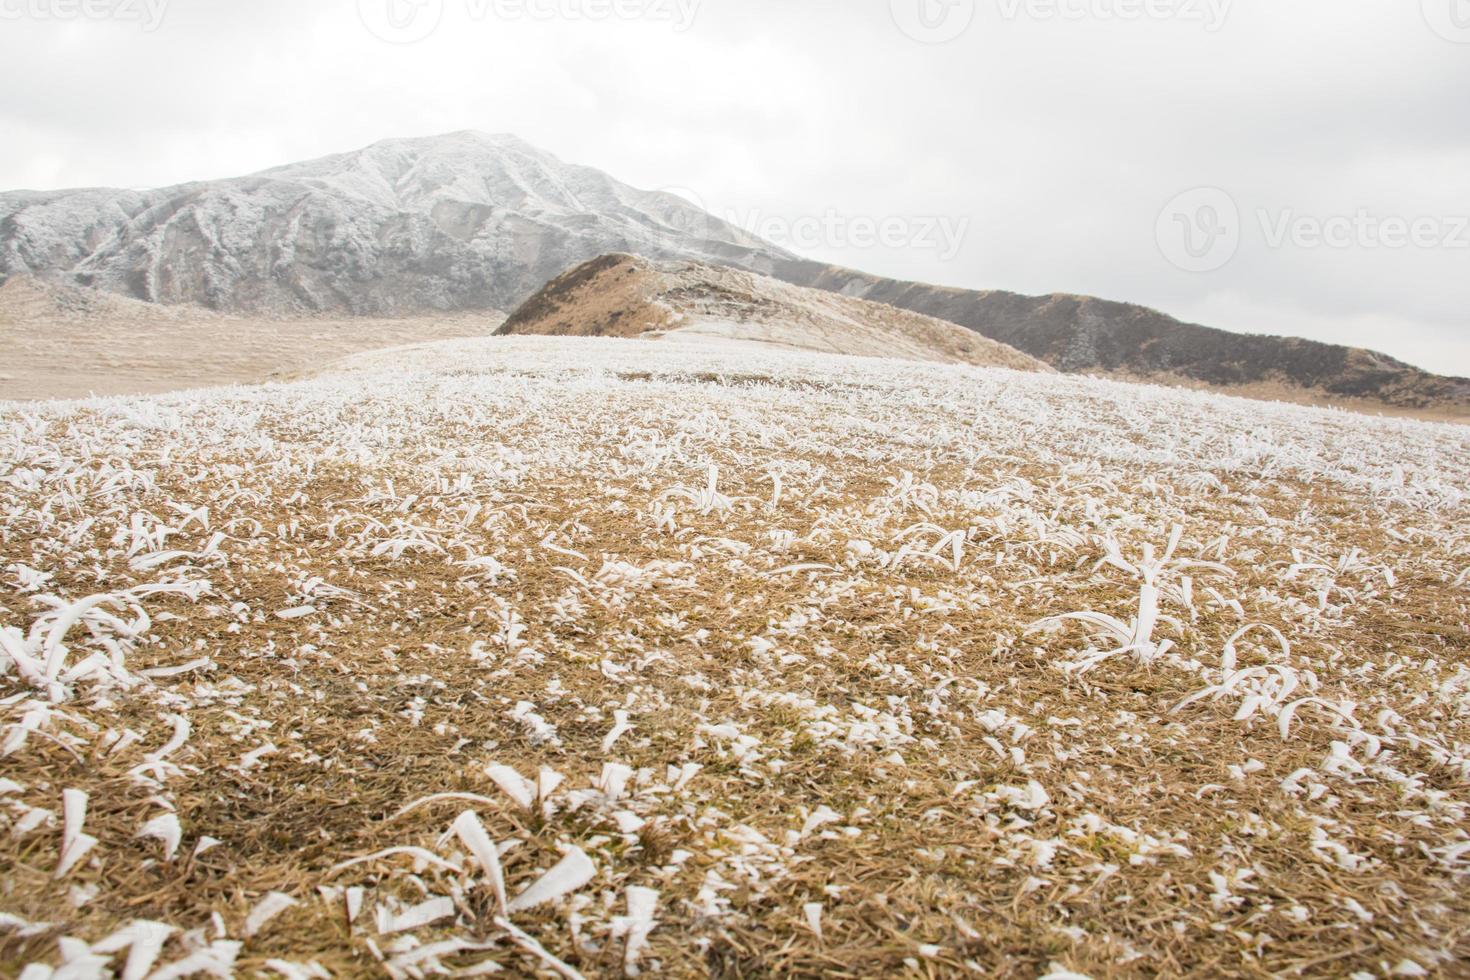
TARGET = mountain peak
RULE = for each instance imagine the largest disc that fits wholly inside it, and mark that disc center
(460, 138)
(468, 150)
(466, 220)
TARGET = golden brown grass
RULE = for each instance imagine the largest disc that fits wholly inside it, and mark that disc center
(908, 699)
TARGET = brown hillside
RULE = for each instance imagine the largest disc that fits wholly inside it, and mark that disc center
(624, 296)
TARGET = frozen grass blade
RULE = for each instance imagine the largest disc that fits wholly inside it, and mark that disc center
(270, 906)
(164, 828)
(75, 845)
(637, 925)
(417, 853)
(414, 918)
(571, 873)
(146, 945)
(472, 834)
(444, 798)
(531, 946)
(514, 785)
(812, 912)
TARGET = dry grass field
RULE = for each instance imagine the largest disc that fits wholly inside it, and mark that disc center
(61, 342)
(545, 656)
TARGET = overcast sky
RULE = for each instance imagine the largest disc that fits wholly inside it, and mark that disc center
(1282, 166)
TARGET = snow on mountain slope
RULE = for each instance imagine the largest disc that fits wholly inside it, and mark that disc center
(626, 296)
(473, 222)
(790, 664)
(464, 221)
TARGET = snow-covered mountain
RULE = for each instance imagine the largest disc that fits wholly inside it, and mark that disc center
(463, 221)
(474, 222)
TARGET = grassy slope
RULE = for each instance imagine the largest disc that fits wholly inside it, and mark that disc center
(1087, 335)
(505, 545)
(625, 296)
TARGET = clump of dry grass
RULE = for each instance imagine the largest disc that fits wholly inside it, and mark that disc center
(736, 674)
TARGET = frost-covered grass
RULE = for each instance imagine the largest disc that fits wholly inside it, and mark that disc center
(597, 658)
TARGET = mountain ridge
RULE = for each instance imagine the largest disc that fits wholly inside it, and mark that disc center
(405, 226)
(1079, 334)
(473, 221)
